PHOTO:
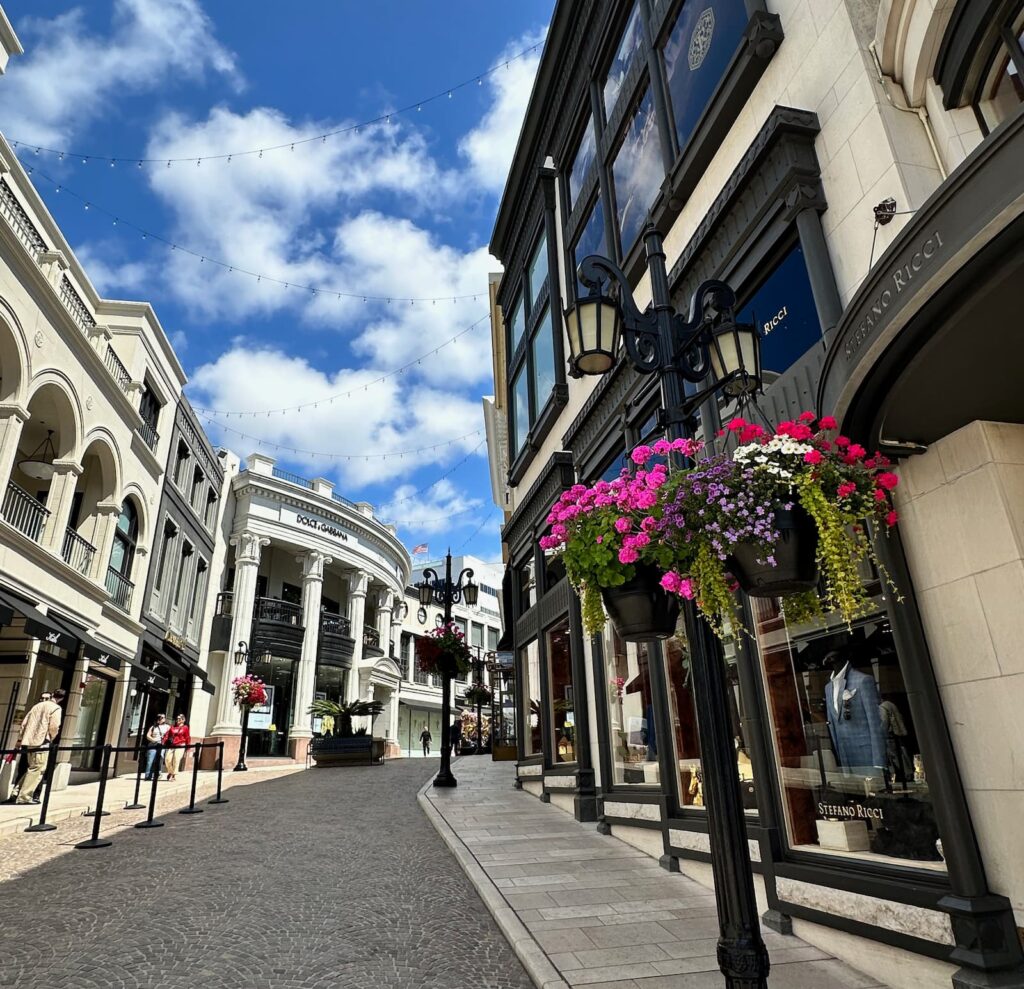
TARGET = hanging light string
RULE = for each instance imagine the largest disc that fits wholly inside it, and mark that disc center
(448, 473)
(330, 399)
(321, 138)
(312, 290)
(396, 454)
(442, 518)
(476, 531)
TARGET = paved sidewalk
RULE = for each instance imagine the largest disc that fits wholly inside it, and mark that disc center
(583, 909)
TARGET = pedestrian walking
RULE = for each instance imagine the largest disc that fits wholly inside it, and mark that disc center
(425, 740)
(155, 742)
(39, 730)
(176, 743)
(454, 736)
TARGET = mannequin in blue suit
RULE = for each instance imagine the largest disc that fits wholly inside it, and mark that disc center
(851, 705)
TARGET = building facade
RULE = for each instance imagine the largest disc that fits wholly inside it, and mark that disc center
(759, 136)
(310, 587)
(88, 391)
(421, 693)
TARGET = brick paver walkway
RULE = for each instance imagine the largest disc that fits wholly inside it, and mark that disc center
(327, 878)
(588, 910)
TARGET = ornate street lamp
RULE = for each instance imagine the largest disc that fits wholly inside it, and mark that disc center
(446, 593)
(708, 348)
(242, 657)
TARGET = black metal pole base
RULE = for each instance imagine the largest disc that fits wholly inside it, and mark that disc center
(92, 813)
(135, 806)
(150, 824)
(218, 800)
(94, 843)
(241, 767)
(972, 978)
(191, 810)
(41, 827)
(744, 963)
(445, 779)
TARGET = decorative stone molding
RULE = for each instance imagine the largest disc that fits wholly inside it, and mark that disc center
(313, 564)
(248, 547)
(53, 265)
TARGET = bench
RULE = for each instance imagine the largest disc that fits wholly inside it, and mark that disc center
(359, 749)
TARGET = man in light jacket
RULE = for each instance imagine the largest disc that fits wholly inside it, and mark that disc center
(39, 730)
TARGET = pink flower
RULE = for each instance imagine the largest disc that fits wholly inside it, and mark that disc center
(600, 539)
(628, 555)
(670, 581)
(641, 454)
(856, 451)
(662, 448)
(783, 428)
(641, 539)
(846, 488)
(646, 499)
(828, 422)
(806, 417)
(891, 519)
(751, 432)
(842, 441)
(879, 495)
(687, 447)
(812, 457)
(623, 524)
(735, 425)
(801, 431)
(648, 523)
(686, 588)
(887, 480)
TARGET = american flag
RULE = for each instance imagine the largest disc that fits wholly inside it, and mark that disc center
(422, 548)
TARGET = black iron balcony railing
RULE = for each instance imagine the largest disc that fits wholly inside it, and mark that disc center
(22, 511)
(120, 588)
(148, 434)
(371, 637)
(77, 552)
(281, 612)
(335, 624)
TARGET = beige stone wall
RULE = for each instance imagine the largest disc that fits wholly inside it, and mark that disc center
(962, 507)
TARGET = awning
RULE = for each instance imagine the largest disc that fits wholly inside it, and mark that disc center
(155, 656)
(46, 627)
(147, 678)
(100, 654)
(425, 703)
(204, 681)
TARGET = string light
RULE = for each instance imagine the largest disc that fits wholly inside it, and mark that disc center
(260, 277)
(448, 92)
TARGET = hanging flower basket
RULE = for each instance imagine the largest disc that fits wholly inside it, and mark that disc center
(443, 651)
(641, 608)
(478, 693)
(795, 569)
(249, 691)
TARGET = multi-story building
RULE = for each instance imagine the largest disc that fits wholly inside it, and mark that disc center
(310, 588)
(88, 389)
(421, 694)
(188, 560)
(853, 169)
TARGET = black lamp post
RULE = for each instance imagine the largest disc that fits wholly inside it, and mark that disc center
(709, 344)
(446, 593)
(242, 657)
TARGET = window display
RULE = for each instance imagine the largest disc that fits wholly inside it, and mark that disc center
(853, 776)
(563, 717)
(684, 720)
(634, 740)
(529, 657)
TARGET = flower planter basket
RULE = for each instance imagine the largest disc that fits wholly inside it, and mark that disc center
(641, 608)
(795, 568)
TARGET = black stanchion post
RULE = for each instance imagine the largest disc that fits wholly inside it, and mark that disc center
(51, 762)
(98, 811)
(192, 808)
(149, 822)
(135, 805)
(220, 773)
(96, 841)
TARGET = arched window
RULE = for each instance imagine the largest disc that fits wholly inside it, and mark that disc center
(123, 553)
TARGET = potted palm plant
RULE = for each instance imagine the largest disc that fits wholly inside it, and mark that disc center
(346, 745)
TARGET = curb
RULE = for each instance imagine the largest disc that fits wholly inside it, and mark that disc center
(535, 961)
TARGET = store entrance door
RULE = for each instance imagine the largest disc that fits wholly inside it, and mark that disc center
(269, 724)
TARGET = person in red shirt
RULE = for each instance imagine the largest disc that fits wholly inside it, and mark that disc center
(176, 743)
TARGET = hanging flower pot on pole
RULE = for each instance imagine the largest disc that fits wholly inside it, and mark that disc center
(443, 651)
(783, 507)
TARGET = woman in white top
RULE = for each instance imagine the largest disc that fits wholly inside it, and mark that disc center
(155, 739)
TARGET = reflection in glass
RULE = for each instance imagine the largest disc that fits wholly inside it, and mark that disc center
(544, 359)
(633, 742)
(1006, 92)
(527, 585)
(530, 664)
(853, 776)
(538, 271)
(591, 241)
(581, 163)
(637, 172)
(563, 718)
(520, 410)
(90, 721)
(629, 45)
(516, 326)
(697, 53)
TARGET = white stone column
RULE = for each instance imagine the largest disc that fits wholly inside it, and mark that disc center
(58, 503)
(313, 564)
(384, 613)
(248, 547)
(359, 582)
(12, 420)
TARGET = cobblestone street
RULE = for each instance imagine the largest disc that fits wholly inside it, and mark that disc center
(323, 878)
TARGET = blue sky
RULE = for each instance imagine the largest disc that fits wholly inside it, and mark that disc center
(400, 208)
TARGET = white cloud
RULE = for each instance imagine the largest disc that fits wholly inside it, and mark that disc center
(389, 417)
(443, 507)
(489, 147)
(68, 76)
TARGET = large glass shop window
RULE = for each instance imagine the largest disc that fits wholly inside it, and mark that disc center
(533, 741)
(582, 161)
(629, 45)
(697, 53)
(783, 309)
(637, 172)
(853, 777)
(563, 714)
(633, 742)
(521, 409)
(682, 706)
(590, 241)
